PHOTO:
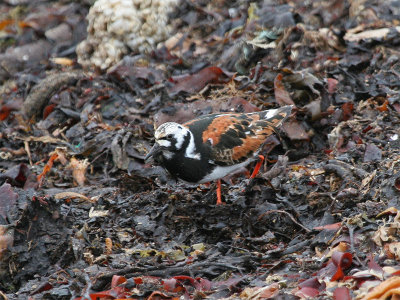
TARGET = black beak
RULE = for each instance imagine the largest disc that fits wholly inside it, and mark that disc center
(156, 149)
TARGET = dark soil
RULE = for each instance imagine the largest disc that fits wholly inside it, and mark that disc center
(81, 213)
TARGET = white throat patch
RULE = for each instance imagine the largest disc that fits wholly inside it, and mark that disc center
(167, 154)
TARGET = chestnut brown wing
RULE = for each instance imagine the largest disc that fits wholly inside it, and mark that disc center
(233, 138)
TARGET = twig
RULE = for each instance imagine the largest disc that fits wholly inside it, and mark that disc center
(267, 272)
(3, 295)
(351, 234)
(211, 266)
(357, 171)
(376, 140)
(86, 290)
(286, 213)
(28, 152)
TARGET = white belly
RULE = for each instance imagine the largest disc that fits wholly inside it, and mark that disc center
(222, 171)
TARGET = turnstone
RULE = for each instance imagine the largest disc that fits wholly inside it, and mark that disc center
(213, 146)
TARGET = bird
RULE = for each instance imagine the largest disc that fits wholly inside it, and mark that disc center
(213, 146)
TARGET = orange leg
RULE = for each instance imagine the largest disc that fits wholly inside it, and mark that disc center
(219, 201)
(258, 166)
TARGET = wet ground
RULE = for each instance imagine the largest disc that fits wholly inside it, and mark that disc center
(82, 215)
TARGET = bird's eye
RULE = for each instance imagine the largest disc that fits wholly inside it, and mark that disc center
(170, 136)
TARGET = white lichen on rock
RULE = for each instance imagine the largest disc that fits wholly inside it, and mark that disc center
(116, 27)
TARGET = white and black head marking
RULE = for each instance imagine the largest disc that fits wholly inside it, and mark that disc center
(171, 136)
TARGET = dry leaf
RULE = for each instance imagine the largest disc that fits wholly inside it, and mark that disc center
(6, 238)
(62, 61)
(97, 213)
(70, 195)
(392, 250)
(108, 244)
(385, 290)
(369, 34)
(78, 170)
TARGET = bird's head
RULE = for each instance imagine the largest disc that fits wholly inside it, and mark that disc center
(169, 139)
